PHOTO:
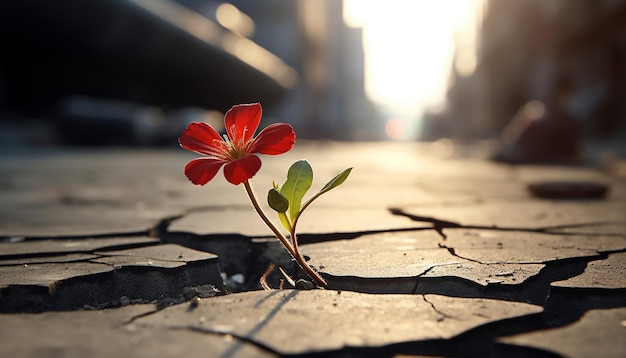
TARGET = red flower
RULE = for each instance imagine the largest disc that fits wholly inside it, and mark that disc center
(237, 150)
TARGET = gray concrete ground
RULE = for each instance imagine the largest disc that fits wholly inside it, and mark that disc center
(428, 251)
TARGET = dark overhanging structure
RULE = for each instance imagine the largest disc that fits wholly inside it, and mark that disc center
(150, 52)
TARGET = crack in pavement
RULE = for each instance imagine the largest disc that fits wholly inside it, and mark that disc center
(247, 337)
(439, 225)
(22, 238)
(160, 230)
(452, 252)
(232, 352)
(303, 239)
(132, 319)
(442, 314)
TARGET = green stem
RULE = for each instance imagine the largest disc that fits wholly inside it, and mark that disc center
(292, 249)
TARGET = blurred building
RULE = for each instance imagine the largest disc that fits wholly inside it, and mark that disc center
(568, 54)
(310, 36)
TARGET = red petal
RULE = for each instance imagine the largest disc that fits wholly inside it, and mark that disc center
(242, 169)
(242, 121)
(200, 171)
(276, 138)
(203, 139)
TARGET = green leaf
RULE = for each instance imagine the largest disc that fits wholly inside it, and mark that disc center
(277, 201)
(299, 180)
(333, 183)
(285, 221)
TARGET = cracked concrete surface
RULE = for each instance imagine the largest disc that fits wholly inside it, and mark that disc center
(425, 255)
(282, 320)
(98, 273)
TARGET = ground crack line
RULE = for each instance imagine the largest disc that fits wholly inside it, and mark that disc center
(141, 315)
(452, 252)
(432, 305)
(28, 238)
(439, 225)
(243, 338)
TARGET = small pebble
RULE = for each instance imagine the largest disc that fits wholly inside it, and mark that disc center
(194, 302)
(303, 284)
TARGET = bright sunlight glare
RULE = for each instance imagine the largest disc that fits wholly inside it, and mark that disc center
(409, 47)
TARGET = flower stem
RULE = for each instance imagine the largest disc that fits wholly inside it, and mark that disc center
(292, 249)
(266, 220)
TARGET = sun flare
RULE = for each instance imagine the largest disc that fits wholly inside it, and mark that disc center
(409, 47)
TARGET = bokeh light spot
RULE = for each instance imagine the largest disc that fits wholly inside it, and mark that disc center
(397, 128)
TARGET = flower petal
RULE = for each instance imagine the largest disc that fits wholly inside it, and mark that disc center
(274, 139)
(200, 171)
(201, 138)
(242, 169)
(242, 121)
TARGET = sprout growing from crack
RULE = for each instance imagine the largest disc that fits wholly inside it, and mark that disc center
(237, 153)
(287, 202)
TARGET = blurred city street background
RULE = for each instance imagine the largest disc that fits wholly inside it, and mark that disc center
(543, 79)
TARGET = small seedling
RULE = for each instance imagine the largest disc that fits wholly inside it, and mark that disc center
(237, 152)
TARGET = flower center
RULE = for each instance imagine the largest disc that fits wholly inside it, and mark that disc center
(236, 149)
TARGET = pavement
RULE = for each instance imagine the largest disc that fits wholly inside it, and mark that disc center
(428, 249)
